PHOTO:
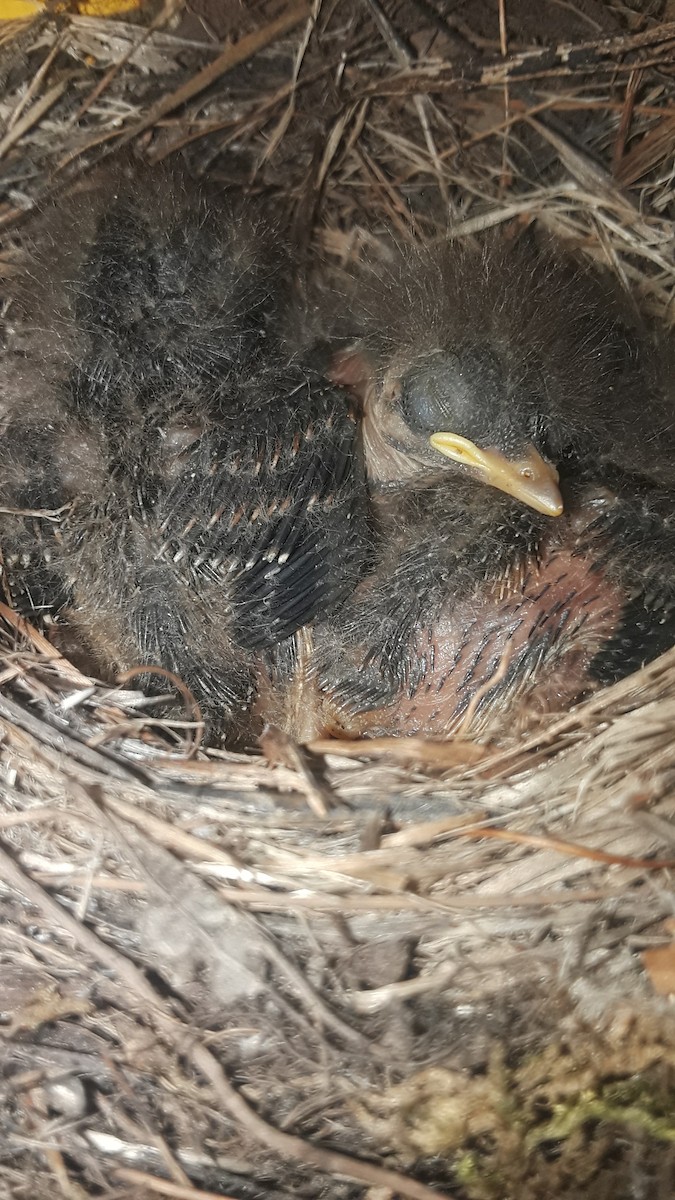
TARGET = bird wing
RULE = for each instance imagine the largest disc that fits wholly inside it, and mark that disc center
(270, 505)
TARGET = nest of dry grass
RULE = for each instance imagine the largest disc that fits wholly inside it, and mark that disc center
(338, 970)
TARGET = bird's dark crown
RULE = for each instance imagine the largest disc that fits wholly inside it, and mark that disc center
(510, 363)
(471, 392)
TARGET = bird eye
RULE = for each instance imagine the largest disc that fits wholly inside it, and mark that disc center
(460, 390)
(427, 393)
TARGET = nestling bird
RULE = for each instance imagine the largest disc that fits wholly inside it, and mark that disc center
(202, 484)
(520, 453)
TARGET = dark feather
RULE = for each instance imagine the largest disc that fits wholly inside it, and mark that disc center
(477, 608)
(211, 478)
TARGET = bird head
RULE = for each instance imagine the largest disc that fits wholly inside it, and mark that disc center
(462, 410)
(504, 363)
(460, 406)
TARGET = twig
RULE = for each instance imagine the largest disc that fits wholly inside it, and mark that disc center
(164, 1188)
(632, 87)
(567, 60)
(548, 842)
(247, 46)
(191, 705)
(35, 113)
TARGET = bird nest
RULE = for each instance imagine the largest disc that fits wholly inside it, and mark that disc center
(343, 969)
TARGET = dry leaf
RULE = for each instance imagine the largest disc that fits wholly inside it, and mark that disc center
(659, 963)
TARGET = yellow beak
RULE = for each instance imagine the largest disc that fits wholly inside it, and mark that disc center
(531, 478)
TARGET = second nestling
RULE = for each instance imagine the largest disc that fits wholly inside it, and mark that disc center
(209, 495)
(520, 452)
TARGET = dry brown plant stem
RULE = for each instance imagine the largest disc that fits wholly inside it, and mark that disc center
(181, 1036)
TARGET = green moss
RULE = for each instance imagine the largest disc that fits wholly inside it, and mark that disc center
(467, 1169)
(579, 1117)
(583, 1126)
(642, 1112)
